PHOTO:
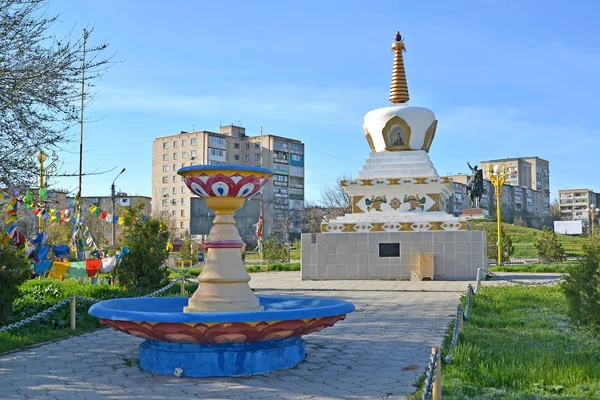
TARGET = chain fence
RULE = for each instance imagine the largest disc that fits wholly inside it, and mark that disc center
(83, 299)
(430, 374)
(482, 274)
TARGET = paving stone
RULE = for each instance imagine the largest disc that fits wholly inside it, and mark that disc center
(360, 358)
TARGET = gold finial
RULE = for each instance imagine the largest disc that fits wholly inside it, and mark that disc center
(399, 89)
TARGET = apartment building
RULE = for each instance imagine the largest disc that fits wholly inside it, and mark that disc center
(528, 173)
(515, 201)
(576, 204)
(122, 199)
(283, 196)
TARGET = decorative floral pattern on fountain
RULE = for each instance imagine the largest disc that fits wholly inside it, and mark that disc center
(222, 333)
(234, 185)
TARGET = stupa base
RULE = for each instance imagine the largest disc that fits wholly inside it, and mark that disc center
(206, 360)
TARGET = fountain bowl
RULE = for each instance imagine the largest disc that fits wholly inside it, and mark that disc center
(225, 180)
(220, 343)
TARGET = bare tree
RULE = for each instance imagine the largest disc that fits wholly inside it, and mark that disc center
(40, 86)
(313, 216)
(335, 200)
(555, 209)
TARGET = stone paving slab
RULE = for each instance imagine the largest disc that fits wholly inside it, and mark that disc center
(292, 280)
(379, 351)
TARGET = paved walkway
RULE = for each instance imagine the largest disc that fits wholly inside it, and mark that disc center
(379, 351)
(293, 281)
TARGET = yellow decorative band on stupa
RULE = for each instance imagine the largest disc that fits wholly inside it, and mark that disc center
(404, 226)
(424, 180)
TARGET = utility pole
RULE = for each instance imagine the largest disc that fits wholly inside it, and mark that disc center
(114, 226)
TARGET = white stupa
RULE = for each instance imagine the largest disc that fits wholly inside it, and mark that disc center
(398, 188)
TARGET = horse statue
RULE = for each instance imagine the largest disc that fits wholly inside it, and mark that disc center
(475, 185)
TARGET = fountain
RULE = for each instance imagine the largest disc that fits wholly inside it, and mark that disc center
(224, 329)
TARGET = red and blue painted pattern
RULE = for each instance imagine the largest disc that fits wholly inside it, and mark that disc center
(222, 333)
(220, 185)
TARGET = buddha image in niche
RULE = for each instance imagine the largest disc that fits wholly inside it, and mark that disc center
(398, 141)
(399, 138)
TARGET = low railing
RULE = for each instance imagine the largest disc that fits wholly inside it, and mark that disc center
(433, 373)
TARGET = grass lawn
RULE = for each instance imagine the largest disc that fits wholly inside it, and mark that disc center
(524, 239)
(39, 295)
(556, 268)
(520, 344)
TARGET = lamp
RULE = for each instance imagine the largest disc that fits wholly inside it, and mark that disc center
(498, 177)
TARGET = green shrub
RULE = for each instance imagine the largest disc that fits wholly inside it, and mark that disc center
(274, 251)
(548, 247)
(582, 287)
(507, 245)
(14, 270)
(141, 269)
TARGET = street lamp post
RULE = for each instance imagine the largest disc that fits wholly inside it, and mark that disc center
(42, 157)
(113, 198)
(594, 212)
(498, 177)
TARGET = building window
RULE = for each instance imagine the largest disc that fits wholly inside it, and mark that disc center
(183, 165)
(181, 225)
(183, 202)
(183, 155)
(236, 145)
(193, 163)
(165, 192)
(183, 213)
(165, 168)
(236, 157)
(174, 156)
(165, 145)
(174, 167)
(193, 153)
(216, 152)
(183, 189)
(175, 144)
(257, 145)
(173, 213)
(216, 140)
(165, 179)
(165, 202)
(174, 190)
(296, 148)
(165, 157)
(174, 178)
(257, 157)
(247, 157)
(183, 143)
(247, 146)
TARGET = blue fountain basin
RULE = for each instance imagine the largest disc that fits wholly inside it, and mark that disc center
(162, 319)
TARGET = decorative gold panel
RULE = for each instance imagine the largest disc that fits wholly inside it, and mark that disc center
(369, 138)
(429, 135)
(436, 205)
(387, 129)
(355, 208)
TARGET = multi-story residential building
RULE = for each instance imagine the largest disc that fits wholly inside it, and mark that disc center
(515, 200)
(283, 196)
(576, 204)
(122, 199)
(528, 173)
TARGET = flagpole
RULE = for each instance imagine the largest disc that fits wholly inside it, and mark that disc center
(260, 212)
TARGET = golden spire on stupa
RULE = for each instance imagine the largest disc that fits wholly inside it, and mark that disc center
(399, 89)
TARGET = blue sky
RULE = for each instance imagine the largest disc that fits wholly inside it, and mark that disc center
(505, 79)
